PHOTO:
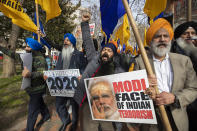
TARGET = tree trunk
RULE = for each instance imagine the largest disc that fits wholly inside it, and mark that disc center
(8, 63)
(9, 68)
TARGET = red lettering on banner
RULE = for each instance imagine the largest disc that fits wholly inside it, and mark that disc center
(143, 84)
(118, 87)
(136, 85)
(128, 86)
(136, 114)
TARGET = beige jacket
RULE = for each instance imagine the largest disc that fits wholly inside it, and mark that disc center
(184, 86)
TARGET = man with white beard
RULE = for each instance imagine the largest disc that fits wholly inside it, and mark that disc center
(186, 44)
(69, 58)
(186, 41)
(67, 51)
(175, 78)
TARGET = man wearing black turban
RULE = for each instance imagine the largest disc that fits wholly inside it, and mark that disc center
(187, 31)
(186, 43)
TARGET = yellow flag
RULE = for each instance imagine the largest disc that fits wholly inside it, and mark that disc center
(145, 44)
(131, 68)
(123, 32)
(51, 7)
(135, 50)
(129, 49)
(154, 7)
(13, 10)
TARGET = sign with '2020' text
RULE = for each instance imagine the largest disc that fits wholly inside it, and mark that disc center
(62, 82)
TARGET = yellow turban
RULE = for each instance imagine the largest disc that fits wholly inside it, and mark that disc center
(155, 26)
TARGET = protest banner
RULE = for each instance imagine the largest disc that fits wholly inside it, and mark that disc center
(54, 55)
(27, 62)
(92, 27)
(62, 82)
(120, 98)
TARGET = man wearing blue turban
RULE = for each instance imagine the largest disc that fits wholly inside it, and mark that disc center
(33, 44)
(69, 58)
(38, 85)
(71, 38)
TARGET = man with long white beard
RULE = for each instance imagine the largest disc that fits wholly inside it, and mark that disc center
(186, 44)
(185, 36)
(175, 78)
(69, 58)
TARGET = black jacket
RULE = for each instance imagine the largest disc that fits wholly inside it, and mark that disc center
(77, 61)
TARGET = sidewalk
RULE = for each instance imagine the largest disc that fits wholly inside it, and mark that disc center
(52, 125)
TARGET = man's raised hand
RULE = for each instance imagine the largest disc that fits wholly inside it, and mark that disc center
(86, 17)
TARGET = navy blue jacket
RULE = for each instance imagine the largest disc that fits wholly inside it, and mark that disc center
(77, 61)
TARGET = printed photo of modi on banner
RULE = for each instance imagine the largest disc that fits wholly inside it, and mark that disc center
(120, 98)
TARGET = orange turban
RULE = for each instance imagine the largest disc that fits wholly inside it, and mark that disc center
(155, 26)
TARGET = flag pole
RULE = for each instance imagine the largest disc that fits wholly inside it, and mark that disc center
(146, 62)
(37, 20)
(173, 15)
(189, 10)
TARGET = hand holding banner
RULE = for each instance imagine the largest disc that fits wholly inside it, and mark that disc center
(62, 82)
(27, 62)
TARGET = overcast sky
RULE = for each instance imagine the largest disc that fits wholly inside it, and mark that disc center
(88, 3)
(85, 3)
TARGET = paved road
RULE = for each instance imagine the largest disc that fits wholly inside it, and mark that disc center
(52, 125)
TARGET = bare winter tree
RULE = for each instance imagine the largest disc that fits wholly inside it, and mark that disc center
(137, 10)
(141, 18)
(137, 7)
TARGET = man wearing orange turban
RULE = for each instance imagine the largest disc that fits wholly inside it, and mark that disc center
(175, 77)
(158, 24)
